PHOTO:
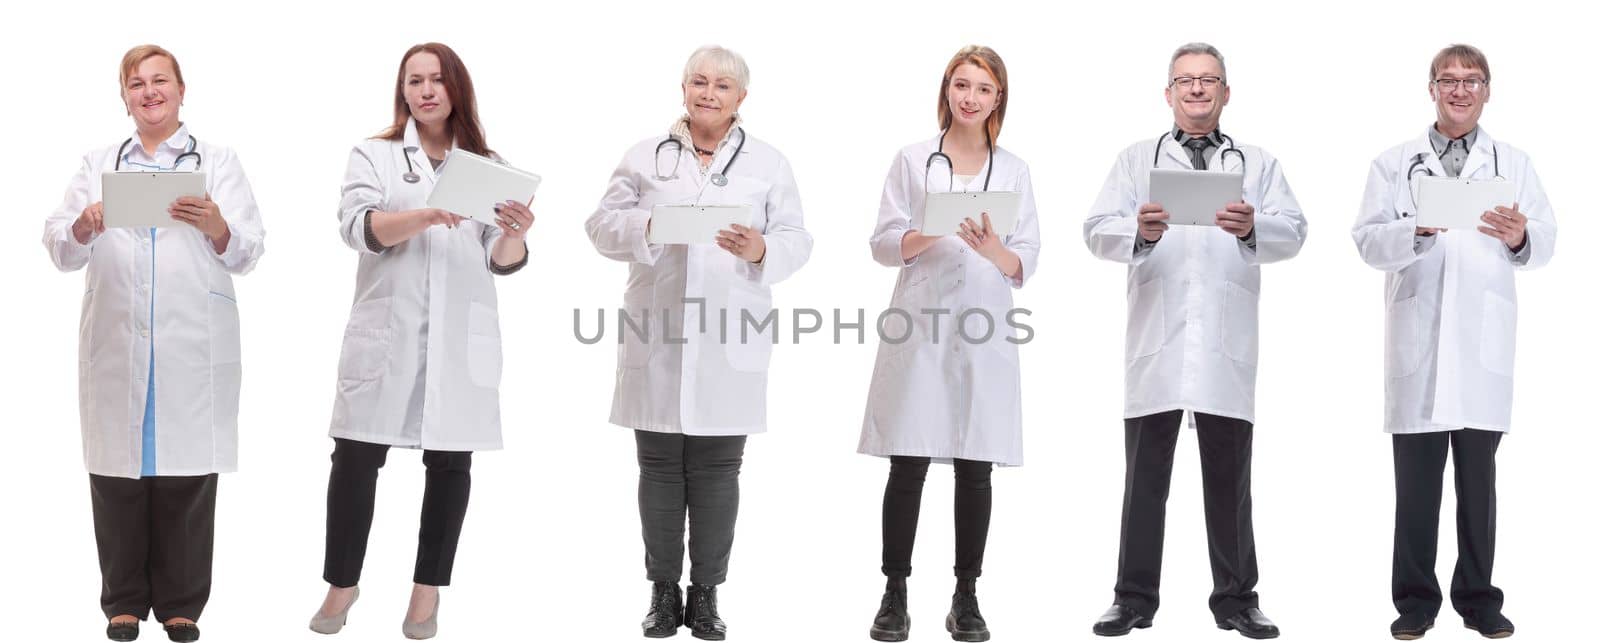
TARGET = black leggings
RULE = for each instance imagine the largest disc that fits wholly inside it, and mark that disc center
(902, 502)
(352, 489)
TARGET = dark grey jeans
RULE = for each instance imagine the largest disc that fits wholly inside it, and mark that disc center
(693, 476)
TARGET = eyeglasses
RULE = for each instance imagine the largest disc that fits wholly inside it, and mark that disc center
(1470, 84)
(1185, 82)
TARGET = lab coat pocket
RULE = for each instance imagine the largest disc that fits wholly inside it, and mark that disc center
(1403, 342)
(1498, 340)
(904, 319)
(1146, 320)
(483, 345)
(224, 329)
(748, 350)
(366, 352)
(1239, 326)
(635, 331)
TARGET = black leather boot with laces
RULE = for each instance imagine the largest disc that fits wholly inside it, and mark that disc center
(666, 611)
(965, 623)
(892, 622)
(700, 614)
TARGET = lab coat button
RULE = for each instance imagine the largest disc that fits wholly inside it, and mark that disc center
(144, 332)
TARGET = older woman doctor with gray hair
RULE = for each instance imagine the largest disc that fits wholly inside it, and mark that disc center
(692, 397)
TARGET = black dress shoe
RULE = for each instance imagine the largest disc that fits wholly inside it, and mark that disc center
(1411, 626)
(965, 623)
(666, 611)
(182, 632)
(1119, 620)
(892, 622)
(700, 614)
(128, 631)
(1251, 624)
(1493, 625)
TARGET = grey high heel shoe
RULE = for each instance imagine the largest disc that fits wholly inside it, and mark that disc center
(425, 629)
(333, 623)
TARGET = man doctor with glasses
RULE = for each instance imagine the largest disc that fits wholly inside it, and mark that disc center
(1450, 337)
(1191, 344)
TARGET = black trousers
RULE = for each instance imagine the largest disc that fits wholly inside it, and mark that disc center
(155, 540)
(1225, 479)
(695, 477)
(352, 491)
(1418, 487)
(902, 503)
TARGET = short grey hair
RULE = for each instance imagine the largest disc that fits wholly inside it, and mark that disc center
(722, 61)
(1195, 49)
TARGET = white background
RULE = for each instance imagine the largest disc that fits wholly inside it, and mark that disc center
(551, 548)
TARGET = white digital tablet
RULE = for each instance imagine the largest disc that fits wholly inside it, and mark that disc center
(141, 199)
(1443, 202)
(689, 224)
(1193, 197)
(470, 185)
(943, 212)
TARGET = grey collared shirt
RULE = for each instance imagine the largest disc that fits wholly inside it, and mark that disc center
(1452, 152)
(1198, 147)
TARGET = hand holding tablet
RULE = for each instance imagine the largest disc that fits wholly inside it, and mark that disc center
(147, 199)
(1194, 197)
(475, 187)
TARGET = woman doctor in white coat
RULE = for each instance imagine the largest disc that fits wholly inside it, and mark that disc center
(158, 354)
(420, 367)
(944, 397)
(691, 403)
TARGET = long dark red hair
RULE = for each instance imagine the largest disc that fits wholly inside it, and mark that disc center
(463, 120)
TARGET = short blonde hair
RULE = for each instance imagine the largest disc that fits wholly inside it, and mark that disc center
(141, 53)
(722, 61)
(1466, 55)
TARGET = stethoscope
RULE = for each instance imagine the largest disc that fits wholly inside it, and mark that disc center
(1222, 157)
(1420, 162)
(927, 167)
(411, 171)
(190, 152)
(718, 179)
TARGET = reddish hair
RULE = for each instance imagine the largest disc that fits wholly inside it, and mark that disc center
(462, 123)
(137, 56)
(986, 59)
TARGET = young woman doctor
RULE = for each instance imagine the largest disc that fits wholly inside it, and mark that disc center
(158, 354)
(942, 397)
(692, 397)
(420, 366)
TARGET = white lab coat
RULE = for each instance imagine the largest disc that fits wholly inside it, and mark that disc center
(695, 382)
(420, 366)
(170, 288)
(937, 395)
(1450, 300)
(1192, 297)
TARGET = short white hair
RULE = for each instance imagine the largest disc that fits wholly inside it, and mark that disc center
(723, 62)
(1198, 49)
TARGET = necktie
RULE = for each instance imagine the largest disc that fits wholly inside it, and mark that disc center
(1197, 151)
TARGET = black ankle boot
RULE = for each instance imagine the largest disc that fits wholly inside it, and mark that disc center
(666, 611)
(892, 622)
(701, 614)
(965, 623)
